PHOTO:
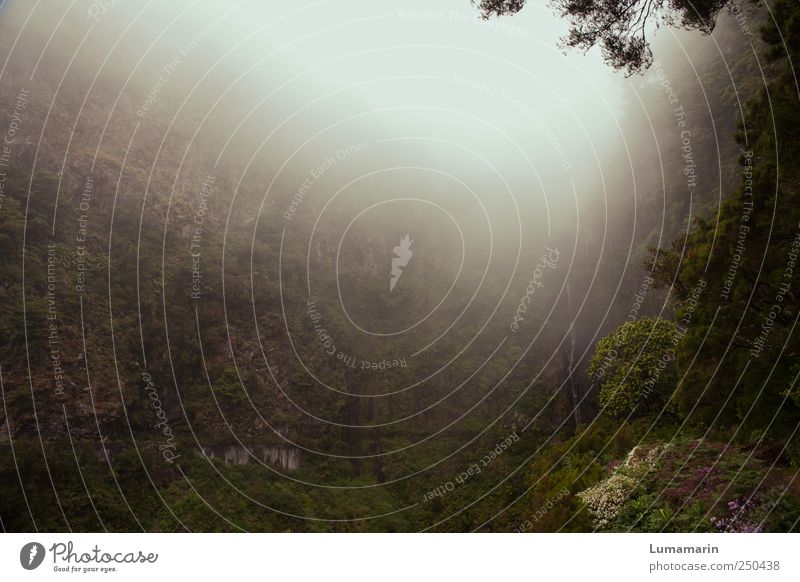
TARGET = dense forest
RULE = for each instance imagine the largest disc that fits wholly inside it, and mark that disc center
(194, 338)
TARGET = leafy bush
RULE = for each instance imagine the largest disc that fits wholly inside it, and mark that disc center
(636, 366)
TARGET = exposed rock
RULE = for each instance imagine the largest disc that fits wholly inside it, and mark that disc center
(282, 456)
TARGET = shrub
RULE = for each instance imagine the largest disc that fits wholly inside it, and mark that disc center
(636, 367)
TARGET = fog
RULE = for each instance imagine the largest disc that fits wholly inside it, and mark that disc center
(355, 245)
(427, 86)
(399, 117)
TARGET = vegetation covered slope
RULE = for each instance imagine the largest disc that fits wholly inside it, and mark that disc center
(132, 423)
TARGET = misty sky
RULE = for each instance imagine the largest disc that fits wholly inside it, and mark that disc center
(496, 103)
(385, 59)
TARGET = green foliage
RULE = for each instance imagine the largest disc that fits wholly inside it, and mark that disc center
(732, 276)
(636, 367)
(554, 478)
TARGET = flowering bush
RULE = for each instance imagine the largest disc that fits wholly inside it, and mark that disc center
(741, 518)
(607, 497)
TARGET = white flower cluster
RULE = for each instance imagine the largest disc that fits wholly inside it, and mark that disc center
(640, 461)
(607, 497)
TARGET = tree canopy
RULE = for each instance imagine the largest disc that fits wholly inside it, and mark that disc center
(620, 28)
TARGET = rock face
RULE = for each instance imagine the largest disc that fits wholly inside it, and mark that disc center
(282, 456)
